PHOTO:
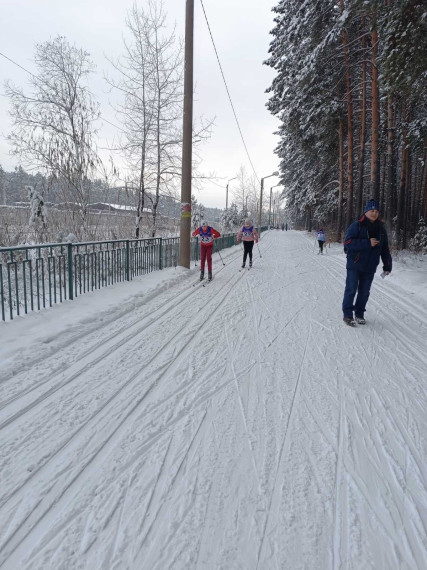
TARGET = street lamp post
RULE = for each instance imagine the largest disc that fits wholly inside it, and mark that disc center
(260, 200)
(269, 211)
(226, 194)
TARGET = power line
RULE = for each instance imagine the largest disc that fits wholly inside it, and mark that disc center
(228, 92)
(35, 76)
(17, 64)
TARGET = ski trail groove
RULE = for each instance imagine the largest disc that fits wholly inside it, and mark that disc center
(281, 454)
(20, 530)
(336, 559)
(239, 398)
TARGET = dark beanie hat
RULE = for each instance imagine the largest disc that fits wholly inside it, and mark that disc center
(372, 205)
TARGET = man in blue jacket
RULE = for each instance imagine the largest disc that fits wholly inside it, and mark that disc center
(365, 242)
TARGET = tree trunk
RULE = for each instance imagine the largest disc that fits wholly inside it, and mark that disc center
(350, 150)
(340, 178)
(3, 190)
(361, 156)
(407, 213)
(423, 184)
(415, 201)
(382, 184)
(402, 188)
(425, 190)
(375, 155)
(390, 190)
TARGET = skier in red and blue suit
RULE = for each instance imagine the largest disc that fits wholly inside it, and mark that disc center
(207, 235)
(365, 242)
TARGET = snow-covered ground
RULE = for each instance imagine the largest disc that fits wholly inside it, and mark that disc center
(241, 425)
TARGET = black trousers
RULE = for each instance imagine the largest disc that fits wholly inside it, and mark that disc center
(247, 248)
(320, 242)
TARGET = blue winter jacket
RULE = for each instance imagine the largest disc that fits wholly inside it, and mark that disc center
(360, 255)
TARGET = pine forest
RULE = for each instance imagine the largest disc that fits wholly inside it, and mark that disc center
(350, 95)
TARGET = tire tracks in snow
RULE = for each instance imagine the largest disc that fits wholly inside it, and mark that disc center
(242, 411)
(106, 349)
(161, 512)
(285, 445)
(112, 341)
(16, 538)
(337, 522)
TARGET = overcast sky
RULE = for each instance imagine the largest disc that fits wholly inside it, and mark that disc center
(241, 32)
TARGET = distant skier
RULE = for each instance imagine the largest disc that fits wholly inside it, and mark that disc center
(207, 235)
(286, 227)
(365, 242)
(248, 235)
(321, 238)
(283, 227)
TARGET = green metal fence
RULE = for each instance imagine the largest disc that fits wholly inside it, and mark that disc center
(33, 277)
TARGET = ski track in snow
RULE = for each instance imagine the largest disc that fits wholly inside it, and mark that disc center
(235, 426)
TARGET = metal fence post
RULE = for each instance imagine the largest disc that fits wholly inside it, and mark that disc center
(161, 254)
(70, 271)
(127, 260)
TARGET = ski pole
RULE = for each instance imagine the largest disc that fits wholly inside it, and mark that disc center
(259, 251)
(219, 254)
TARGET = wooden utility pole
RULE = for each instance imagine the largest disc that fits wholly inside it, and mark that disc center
(187, 140)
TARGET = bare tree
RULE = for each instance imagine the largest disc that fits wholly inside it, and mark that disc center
(53, 127)
(151, 114)
(246, 195)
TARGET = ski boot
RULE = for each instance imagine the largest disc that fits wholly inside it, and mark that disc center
(210, 276)
(349, 321)
(360, 320)
(250, 263)
(202, 275)
(243, 266)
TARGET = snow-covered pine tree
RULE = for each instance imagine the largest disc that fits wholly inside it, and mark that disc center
(351, 71)
(230, 218)
(38, 211)
(197, 213)
(419, 241)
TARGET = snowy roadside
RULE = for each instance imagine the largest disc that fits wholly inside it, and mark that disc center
(31, 334)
